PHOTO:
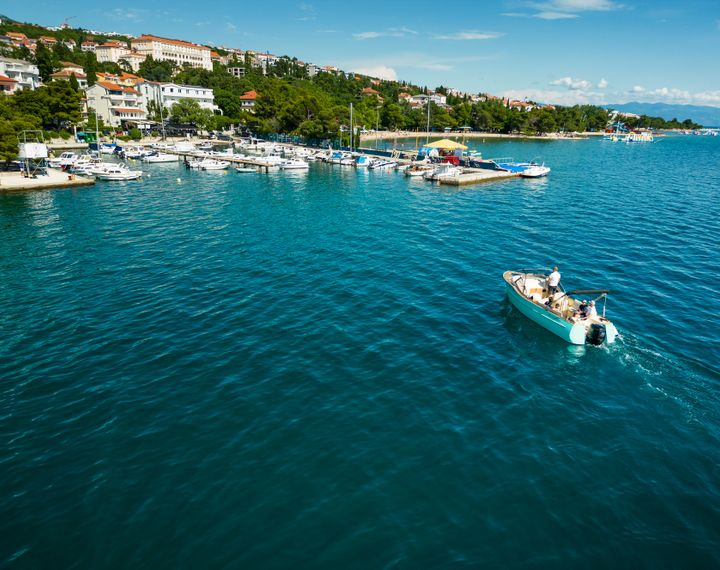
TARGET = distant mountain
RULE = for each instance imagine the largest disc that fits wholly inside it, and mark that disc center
(707, 116)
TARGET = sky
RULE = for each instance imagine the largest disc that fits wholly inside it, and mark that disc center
(551, 51)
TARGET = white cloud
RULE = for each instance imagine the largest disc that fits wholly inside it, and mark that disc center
(548, 15)
(469, 35)
(564, 9)
(565, 97)
(602, 84)
(573, 84)
(637, 89)
(132, 14)
(379, 71)
(389, 33)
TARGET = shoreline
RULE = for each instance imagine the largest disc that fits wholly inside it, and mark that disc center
(394, 135)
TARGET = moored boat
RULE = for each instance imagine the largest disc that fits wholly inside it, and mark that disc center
(535, 171)
(560, 313)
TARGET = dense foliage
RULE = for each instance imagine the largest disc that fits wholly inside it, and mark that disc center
(51, 107)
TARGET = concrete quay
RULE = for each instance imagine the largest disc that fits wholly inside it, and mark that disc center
(16, 181)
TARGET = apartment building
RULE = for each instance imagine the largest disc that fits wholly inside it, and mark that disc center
(178, 51)
(26, 74)
(115, 103)
(170, 93)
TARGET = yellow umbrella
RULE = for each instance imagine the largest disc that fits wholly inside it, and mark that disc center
(446, 144)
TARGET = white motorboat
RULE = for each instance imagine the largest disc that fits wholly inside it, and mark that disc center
(443, 172)
(245, 169)
(159, 157)
(535, 171)
(294, 164)
(137, 154)
(270, 160)
(116, 172)
(62, 161)
(559, 312)
(209, 164)
(380, 164)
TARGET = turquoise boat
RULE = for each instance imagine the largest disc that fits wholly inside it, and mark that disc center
(559, 313)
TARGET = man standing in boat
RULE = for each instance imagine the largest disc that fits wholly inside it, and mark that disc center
(553, 282)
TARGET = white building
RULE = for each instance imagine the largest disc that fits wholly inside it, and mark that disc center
(117, 52)
(65, 74)
(236, 71)
(116, 103)
(177, 51)
(170, 93)
(26, 74)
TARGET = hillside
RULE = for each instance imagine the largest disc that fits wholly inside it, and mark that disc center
(707, 116)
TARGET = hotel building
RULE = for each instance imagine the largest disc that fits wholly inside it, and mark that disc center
(177, 51)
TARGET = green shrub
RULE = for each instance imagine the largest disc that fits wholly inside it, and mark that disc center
(125, 138)
(135, 134)
(64, 135)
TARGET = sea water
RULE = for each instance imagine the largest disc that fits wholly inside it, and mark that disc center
(321, 369)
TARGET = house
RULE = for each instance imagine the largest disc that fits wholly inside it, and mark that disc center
(247, 101)
(65, 74)
(370, 92)
(70, 66)
(25, 73)
(88, 46)
(521, 105)
(49, 41)
(236, 71)
(115, 103)
(168, 94)
(178, 51)
(8, 85)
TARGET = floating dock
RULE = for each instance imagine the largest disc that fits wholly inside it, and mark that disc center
(14, 181)
(478, 176)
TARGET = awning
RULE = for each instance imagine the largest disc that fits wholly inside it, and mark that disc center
(446, 144)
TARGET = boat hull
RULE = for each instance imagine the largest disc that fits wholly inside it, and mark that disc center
(572, 333)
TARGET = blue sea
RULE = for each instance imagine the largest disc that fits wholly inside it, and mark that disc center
(321, 369)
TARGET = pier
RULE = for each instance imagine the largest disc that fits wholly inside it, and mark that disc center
(15, 181)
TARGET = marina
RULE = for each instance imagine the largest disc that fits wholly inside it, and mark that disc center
(395, 299)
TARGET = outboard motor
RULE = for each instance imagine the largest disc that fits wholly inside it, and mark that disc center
(596, 334)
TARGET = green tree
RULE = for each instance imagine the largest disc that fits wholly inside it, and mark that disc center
(90, 68)
(74, 82)
(46, 61)
(189, 111)
(156, 70)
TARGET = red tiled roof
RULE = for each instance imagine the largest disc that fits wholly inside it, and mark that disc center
(150, 38)
(126, 110)
(17, 35)
(249, 96)
(68, 73)
(115, 87)
(370, 91)
(6, 79)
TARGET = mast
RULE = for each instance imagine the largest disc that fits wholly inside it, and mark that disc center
(162, 120)
(377, 126)
(427, 135)
(351, 128)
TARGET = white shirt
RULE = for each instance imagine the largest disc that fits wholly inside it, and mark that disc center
(554, 279)
(591, 311)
